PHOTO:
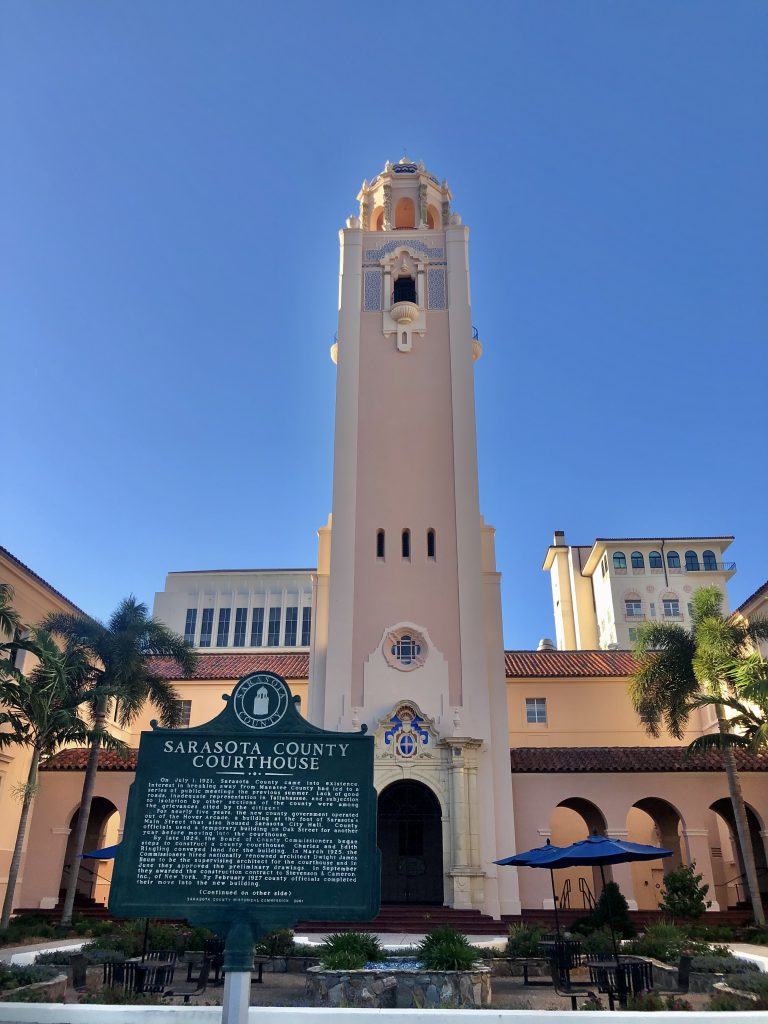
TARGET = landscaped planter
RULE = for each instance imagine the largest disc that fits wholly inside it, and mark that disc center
(291, 964)
(53, 990)
(402, 988)
(506, 967)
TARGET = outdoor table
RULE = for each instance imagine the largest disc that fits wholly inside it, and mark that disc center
(630, 975)
(154, 975)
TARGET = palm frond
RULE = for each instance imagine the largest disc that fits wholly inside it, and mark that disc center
(715, 741)
(664, 683)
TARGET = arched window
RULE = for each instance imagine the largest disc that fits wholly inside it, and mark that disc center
(433, 218)
(377, 219)
(710, 561)
(379, 543)
(654, 560)
(673, 560)
(430, 543)
(619, 560)
(691, 561)
(638, 562)
(404, 290)
(406, 543)
(405, 213)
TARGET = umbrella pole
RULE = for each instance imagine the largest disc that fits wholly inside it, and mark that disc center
(619, 974)
(554, 901)
(144, 945)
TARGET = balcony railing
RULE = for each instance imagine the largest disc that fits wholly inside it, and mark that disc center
(712, 567)
(634, 616)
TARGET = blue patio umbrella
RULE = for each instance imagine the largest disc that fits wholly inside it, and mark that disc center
(600, 850)
(105, 853)
(534, 859)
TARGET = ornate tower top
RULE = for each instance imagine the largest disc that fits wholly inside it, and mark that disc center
(405, 196)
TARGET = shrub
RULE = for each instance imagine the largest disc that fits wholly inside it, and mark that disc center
(349, 951)
(755, 982)
(278, 943)
(727, 1003)
(445, 949)
(592, 1002)
(523, 940)
(12, 976)
(597, 942)
(661, 941)
(678, 1003)
(650, 1002)
(120, 996)
(713, 963)
(682, 894)
(612, 906)
(92, 951)
(711, 933)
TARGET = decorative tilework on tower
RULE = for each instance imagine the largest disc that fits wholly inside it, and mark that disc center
(436, 288)
(410, 243)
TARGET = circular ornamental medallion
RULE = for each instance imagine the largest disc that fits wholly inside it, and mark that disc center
(260, 702)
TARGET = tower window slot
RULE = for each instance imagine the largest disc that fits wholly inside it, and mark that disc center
(379, 543)
(406, 541)
(405, 290)
(430, 543)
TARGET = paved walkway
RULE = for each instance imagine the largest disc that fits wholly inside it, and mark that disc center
(747, 951)
(24, 955)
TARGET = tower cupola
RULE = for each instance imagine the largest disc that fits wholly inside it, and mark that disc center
(404, 197)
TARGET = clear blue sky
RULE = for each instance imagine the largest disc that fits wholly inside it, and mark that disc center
(172, 180)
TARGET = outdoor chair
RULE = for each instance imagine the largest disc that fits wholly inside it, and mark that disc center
(193, 960)
(561, 982)
(200, 986)
(167, 955)
(629, 977)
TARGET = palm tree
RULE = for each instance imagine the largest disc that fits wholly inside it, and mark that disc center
(677, 669)
(41, 711)
(747, 726)
(9, 617)
(121, 651)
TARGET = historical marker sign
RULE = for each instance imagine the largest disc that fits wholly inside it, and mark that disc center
(256, 817)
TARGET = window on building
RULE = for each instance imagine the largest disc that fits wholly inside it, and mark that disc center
(257, 627)
(291, 625)
(406, 544)
(671, 607)
(632, 634)
(633, 607)
(710, 561)
(604, 564)
(430, 543)
(273, 633)
(691, 561)
(654, 560)
(404, 290)
(619, 560)
(241, 620)
(306, 626)
(222, 633)
(653, 609)
(673, 560)
(406, 649)
(206, 627)
(190, 626)
(379, 543)
(185, 711)
(638, 562)
(536, 710)
(690, 609)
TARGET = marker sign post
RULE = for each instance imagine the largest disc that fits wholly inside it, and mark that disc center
(249, 823)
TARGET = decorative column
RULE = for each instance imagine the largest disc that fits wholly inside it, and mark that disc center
(474, 806)
(622, 873)
(422, 205)
(387, 207)
(387, 303)
(697, 848)
(460, 870)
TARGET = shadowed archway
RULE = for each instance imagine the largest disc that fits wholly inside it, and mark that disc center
(410, 837)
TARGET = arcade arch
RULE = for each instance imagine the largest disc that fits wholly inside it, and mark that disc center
(94, 876)
(572, 820)
(727, 864)
(654, 822)
(410, 837)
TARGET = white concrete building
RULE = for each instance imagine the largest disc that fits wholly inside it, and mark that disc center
(603, 591)
(248, 609)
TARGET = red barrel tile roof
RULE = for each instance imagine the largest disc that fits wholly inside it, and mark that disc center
(534, 760)
(74, 759)
(234, 666)
(567, 664)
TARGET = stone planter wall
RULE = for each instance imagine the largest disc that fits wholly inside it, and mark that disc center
(291, 964)
(53, 990)
(401, 989)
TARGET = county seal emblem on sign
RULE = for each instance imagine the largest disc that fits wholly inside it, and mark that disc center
(259, 702)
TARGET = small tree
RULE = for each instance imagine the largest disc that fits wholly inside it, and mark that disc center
(612, 908)
(683, 894)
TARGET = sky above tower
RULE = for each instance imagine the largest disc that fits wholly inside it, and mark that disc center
(173, 179)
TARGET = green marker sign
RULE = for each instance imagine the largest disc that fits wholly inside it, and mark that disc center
(256, 819)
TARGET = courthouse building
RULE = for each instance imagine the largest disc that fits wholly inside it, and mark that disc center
(479, 751)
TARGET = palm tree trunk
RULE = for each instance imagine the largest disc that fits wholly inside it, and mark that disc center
(742, 824)
(13, 872)
(89, 784)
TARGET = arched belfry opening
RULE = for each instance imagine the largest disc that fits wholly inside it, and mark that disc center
(410, 838)
(405, 214)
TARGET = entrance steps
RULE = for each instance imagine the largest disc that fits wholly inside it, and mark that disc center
(412, 919)
(546, 918)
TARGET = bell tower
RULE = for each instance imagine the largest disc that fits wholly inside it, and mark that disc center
(407, 627)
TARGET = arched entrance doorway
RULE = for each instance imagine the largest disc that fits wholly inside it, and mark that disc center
(730, 881)
(654, 822)
(410, 838)
(94, 876)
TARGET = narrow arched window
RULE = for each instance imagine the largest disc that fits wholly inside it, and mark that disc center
(430, 543)
(406, 543)
(673, 560)
(619, 560)
(404, 290)
(710, 561)
(638, 562)
(654, 560)
(691, 561)
(379, 543)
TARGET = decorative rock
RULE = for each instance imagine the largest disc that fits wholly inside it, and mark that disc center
(401, 988)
